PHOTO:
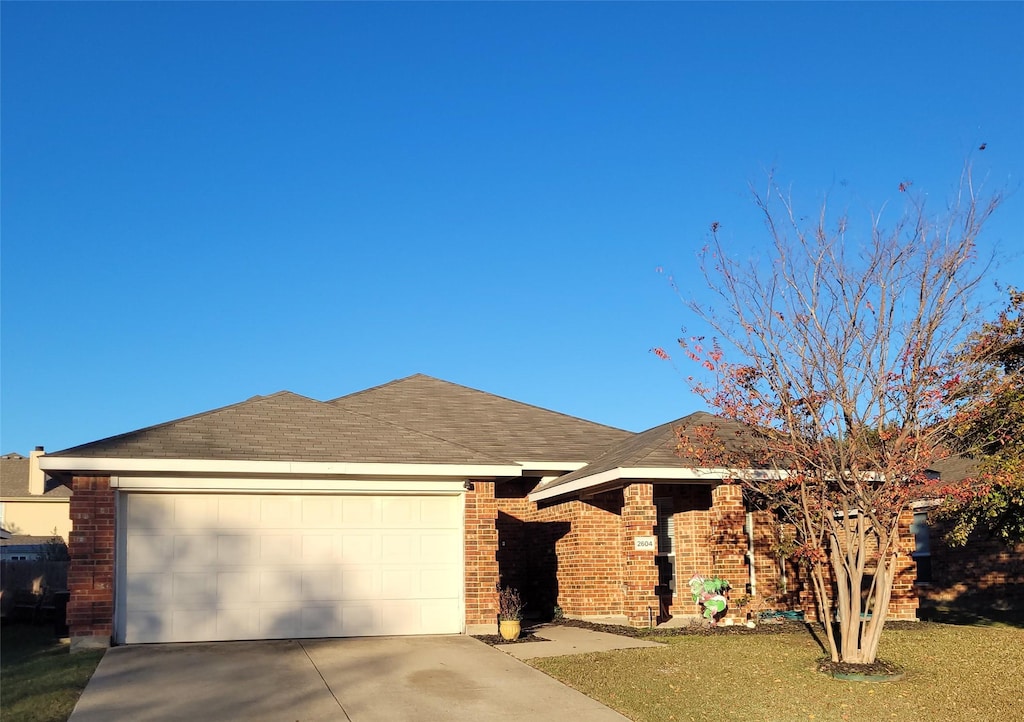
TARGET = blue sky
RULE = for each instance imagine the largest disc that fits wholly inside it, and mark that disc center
(207, 201)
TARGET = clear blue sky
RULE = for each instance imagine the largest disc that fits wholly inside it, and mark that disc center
(207, 201)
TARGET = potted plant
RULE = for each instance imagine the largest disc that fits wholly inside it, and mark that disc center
(710, 593)
(510, 613)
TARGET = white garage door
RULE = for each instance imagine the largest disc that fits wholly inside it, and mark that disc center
(203, 567)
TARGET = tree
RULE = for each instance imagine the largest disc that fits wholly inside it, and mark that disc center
(988, 426)
(839, 380)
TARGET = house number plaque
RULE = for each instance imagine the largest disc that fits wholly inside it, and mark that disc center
(645, 543)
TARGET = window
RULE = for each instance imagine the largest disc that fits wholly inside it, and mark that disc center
(666, 558)
(922, 546)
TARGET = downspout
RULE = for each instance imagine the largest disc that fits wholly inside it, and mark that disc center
(750, 553)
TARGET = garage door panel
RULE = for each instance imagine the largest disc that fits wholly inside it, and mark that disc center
(277, 512)
(357, 547)
(236, 549)
(277, 548)
(359, 511)
(436, 583)
(320, 514)
(150, 552)
(195, 550)
(359, 583)
(318, 548)
(260, 566)
(236, 587)
(194, 511)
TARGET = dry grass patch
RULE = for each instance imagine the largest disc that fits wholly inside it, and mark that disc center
(952, 673)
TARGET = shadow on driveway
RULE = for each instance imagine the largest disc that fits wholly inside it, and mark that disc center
(363, 680)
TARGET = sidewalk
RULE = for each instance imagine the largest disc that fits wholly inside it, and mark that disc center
(564, 640)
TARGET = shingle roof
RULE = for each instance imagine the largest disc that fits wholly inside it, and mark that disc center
(656, 447)
(285, 427)
(484, 421)
(956, 468)
(14, 480)
(26, 540)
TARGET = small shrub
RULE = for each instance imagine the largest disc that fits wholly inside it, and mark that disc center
(510, 604)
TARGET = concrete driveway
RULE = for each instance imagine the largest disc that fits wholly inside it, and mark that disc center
(363, 680)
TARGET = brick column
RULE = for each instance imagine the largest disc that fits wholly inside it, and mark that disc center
(90, 612)
(640, 574)
(904, 601)
(729, 539)
(481, 559)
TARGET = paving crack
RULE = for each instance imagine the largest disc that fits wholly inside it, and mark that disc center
(340, 705)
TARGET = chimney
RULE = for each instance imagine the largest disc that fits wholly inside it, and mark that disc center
(36, 476)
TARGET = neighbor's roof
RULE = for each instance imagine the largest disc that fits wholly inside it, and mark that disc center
(14, 480)
(284, 427)
(955, 468)
(26, 540)
(496, 425)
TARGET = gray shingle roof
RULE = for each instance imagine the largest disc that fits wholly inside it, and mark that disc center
(493, 424)
(956, 468)
(14, 480)
(655, 447)
(27, 540)
(285, 427)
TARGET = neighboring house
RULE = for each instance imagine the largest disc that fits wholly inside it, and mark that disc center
(30, 501)
(397, 510)
(983, 577)
(25, 547)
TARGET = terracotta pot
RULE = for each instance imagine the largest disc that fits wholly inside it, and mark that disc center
(510, 629)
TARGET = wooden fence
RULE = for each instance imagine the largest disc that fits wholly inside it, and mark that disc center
(25, 582)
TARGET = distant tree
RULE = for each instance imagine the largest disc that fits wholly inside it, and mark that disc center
(830, 351)
(988, 425)
(55, 550)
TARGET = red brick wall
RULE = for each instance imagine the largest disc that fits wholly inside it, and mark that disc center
(481, 543)
(903, 602)
(639, 518)
(90, 612)
(985, 577)
(585, 538)
(583, 552)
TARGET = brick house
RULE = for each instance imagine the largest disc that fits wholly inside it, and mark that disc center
(985, 577)
(397, 510)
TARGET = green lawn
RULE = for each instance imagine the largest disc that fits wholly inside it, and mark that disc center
(953, 673)
(39, 680)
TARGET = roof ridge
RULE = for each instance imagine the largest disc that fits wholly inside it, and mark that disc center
(479, 391)
(339, 410)
(251, 400)
(392, 382)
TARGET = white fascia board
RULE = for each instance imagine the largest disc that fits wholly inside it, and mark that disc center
(87, 464)
(551, 466)
(35, 499)
(289, 485)
(655, 473)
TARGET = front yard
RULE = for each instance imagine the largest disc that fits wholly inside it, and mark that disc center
(41, 681)
(953, 673)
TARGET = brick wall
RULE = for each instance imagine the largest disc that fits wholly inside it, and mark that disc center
(481, 543)
(985, 577)
(90, 612)
(640, 573)
(584, 537)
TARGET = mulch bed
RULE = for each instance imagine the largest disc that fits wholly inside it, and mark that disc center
(700, 627)
(527, 635)
(879, 668)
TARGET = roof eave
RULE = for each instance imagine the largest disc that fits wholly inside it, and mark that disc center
(657, 473)
(67, 465)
